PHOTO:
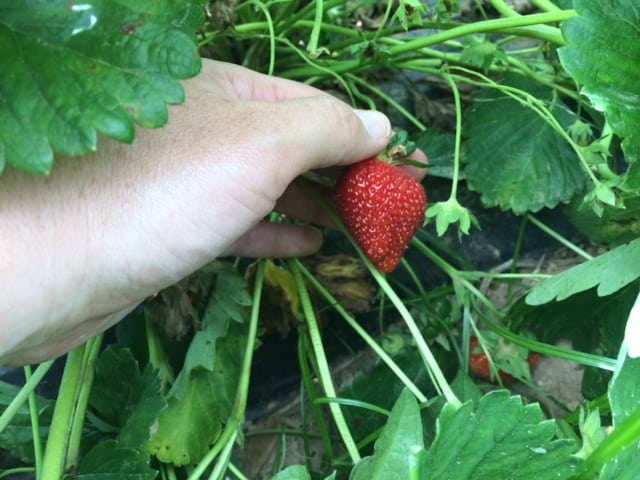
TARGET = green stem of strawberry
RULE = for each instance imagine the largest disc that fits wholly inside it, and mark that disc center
(461, 278)
(64, 436)
(321, 358)
(384, 356)
(399, 149)
(458, 137)
(440, 381)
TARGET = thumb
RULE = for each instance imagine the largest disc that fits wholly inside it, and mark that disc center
(321, 131)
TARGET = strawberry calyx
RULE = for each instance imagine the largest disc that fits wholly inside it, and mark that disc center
(398, 151)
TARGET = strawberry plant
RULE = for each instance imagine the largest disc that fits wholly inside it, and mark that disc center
(529, 118)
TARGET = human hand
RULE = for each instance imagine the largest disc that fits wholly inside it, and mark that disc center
(85, 245)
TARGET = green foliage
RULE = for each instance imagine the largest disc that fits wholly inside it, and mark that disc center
(502, 439)
(608, 272)
(110, 461)
(294, 472)
(440, 147)
(69, 72)
(514, 157)
(589, 320)
(190, 424)
(603, 49)
(399, 449)
(201, 399)
(616, 455)
(613, 226)
(382, 388)
(125, 398)
(297, 472)
(17, 437)
(227, 303)
(498, 437)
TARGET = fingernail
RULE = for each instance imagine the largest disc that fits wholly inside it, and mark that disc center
(376, 123)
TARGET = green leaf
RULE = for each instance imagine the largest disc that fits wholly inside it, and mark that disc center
(590, 321)
(514, 158)
(614, 226)
(624, 393)
(188, 426)
(620, 448)
(609, 272)
(294, 472)
(439, 148)
(400, 446)
(70, 71)
(228, 301)
(297, 472)
(602, 54)
(124, 397)
(591, 431)
(17, 437)
(230, 298)
(409, 13)
(381, 387)
(465, 388)
(192, 422)
(110, 461)
(502, 439)
(480, 52)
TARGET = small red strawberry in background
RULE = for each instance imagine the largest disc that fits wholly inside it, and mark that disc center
(503, 354)
(381, 205)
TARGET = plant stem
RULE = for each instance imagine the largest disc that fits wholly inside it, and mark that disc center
(458, 136)
(321, 358)
(312, 47)
(218, 471)
(559, 238)
(582, 358)
(554, 36)
(503, 9)
(389, 100)
(86, 381)
(384, 356)
(16, 471)
(23, 394)
(272, 34)
(538, 106)
(546, 5)
(68, 416)
(307, 385)
(430, 361)
(55, 452)
(35, 424)
(233, 469)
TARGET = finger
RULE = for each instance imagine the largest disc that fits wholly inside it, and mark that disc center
(417, 172)
(296, 202)
(316, 132)
(244, 84)
(277, 240)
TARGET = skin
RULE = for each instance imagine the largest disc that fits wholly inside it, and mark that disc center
(86, 244)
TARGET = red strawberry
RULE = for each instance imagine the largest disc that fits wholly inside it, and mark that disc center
(479, 363)
(383, 207)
